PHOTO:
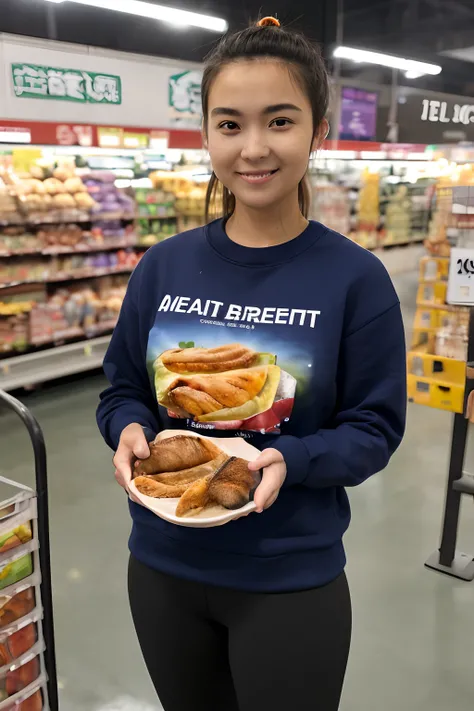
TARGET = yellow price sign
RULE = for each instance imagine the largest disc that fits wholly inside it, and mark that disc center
(24, 158)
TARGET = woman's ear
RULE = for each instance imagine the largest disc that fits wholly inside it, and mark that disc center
(321, 135)
(204, 136)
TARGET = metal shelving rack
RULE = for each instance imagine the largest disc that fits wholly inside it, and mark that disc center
(42, 531)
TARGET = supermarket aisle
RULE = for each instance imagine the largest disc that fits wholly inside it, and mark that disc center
(414, 630)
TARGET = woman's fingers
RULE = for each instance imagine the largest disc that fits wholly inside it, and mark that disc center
(266, 459)
(272, 481)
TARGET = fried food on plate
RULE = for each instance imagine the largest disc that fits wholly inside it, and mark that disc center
(177, 453)
(209, 360)
(217, 479)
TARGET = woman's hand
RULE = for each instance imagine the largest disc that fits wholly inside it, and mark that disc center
(132, 446)
(274, 475)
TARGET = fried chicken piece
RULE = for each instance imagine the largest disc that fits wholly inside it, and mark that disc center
(177, 453)
(209, 360)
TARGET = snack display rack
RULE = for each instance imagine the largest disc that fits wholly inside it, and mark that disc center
(28, 677)
(439, 349)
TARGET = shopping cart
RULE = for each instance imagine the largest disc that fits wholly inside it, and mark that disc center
(42, 529)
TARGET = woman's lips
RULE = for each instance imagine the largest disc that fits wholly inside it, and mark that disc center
(258, 178)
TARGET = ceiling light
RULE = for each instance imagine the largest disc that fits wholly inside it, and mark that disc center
(413, 75)
(182, 18)
(387, 60)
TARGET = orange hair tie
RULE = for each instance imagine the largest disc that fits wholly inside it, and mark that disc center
(269, 22)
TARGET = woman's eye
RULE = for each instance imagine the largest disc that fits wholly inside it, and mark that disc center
(281, 123)
(229, 125)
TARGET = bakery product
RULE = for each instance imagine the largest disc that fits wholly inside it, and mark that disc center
(230, 486)
(196, 471)
(177, 453)
(203, 394)
(232, 356)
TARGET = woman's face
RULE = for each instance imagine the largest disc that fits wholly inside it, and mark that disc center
(260, 132)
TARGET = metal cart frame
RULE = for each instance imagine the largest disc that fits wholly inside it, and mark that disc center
(41, 476)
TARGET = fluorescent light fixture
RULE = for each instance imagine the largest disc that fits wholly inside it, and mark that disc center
(387, 60)
(182, 18)
(413, 75)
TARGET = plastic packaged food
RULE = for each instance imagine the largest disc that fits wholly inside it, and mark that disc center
(13, 608)
(32, 703)
(12, 571)
(15, 680)
(18, 644)
(16, 537)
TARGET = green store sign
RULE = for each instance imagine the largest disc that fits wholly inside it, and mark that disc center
(32, 81)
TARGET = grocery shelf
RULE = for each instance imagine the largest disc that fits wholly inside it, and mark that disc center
(101, 217)
(76, 277)
(78, 249)
(33, 368)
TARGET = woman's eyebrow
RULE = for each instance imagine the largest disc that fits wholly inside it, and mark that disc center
(274, 109)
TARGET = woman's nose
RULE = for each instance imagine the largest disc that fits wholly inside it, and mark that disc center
(255, 148)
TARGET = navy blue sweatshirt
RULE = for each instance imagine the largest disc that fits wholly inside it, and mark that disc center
(316, 325)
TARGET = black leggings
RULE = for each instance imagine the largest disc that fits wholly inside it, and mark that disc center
(213, 649)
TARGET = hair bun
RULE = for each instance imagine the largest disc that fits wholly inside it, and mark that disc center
(269, 22)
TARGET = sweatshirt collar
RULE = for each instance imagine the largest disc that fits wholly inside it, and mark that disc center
(261, 256)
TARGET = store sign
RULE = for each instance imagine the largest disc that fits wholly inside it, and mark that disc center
(14, 134)
(358, 115)
(67, 135)
(439, 120)
(442, 112)
(31, 81)
(184, 98)
(461, 277)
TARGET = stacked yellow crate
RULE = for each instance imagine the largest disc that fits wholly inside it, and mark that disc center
(437, 358)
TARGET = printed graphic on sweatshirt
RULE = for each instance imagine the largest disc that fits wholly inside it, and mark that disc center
(229, 374)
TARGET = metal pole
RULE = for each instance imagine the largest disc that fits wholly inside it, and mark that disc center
(392, 135)
(41, 474)
(337, 76)
(51, 23)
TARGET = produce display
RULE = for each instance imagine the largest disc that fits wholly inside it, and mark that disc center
(43, 196)
(72, 312)
(398, 217)
(17, 644)
(438, 354)
(31, 703)
(16, 569)
(15, 680)
(196, 471)
(16, 605)
(22, 681)
(331, 206)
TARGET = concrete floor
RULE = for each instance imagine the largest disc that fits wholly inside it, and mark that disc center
(413, 642)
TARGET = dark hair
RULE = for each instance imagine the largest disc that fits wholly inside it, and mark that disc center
(289, 46)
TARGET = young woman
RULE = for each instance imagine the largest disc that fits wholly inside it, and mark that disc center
(256, 614)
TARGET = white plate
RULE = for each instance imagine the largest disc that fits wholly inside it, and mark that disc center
(210, 516)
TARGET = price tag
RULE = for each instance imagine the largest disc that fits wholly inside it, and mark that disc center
(461, 277)
(88, 351)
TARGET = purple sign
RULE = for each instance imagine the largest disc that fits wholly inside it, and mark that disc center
(358, 115)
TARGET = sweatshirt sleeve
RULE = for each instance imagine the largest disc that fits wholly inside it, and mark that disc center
(369, 421)
(129, 398)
